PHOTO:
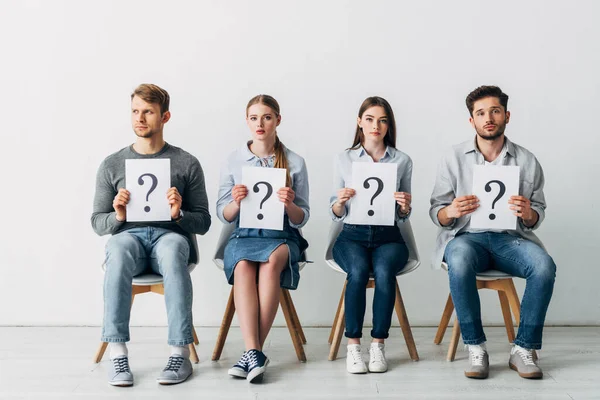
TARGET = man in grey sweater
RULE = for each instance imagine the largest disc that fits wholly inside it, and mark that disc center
(468, 251)
(164, 248)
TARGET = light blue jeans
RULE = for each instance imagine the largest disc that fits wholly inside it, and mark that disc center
(140, 251)
(470, 253)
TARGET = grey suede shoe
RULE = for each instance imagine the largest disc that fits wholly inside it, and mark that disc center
(178, 369)
(524, 362)
(479, 362)
(119, 373)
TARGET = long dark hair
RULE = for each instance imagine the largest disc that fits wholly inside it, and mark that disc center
(390, 137)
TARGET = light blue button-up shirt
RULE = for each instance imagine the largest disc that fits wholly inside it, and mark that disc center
(343, 173)
(455, 179)
(231, 175)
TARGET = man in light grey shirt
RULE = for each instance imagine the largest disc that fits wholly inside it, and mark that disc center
(467, 251)
(164, 248)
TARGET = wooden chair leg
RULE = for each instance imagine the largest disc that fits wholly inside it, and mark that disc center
(446, 315)
(405, 326)
(454, 341)
(337, 313)
(295, 318)
(225, 324)
(513, 300)
(196, 341)
(100, 352)
(193, 353)
(508, 322)
(287, 312)
(339, 325)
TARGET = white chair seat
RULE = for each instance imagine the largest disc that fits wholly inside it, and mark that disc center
(150, 279)
(489, 275)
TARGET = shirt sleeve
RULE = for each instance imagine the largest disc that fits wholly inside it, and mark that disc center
(104, 218)
(405, 186)
(301, 190)
(443, 194)
(226, 184)
(196, 217)
(538, 200)
(338, 183)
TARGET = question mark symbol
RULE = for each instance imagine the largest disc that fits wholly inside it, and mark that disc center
(366, 185)
(154, 183)
(488, 188)
(269, 193)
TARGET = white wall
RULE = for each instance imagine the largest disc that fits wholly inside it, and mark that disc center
(68, 68)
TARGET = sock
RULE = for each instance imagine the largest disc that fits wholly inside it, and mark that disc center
(380, 345)
(183, 351)
(482, 345)
(118, 349)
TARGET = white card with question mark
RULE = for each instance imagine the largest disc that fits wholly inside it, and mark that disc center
(493, 185)
(261, 208)
(148, 181)
(373, 203)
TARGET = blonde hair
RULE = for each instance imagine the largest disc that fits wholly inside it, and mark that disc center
(281, 160)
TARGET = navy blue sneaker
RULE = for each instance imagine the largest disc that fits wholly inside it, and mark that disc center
(257, 365)
(240, 369)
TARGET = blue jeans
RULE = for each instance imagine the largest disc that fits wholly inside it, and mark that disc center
(140, 251)
(470, 253)
(362, 250)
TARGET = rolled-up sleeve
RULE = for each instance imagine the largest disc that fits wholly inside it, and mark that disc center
(338, 183)
(301, 190)
(538, 200)
(442, 195)
(226, 183)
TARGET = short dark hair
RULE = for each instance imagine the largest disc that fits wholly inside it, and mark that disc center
(153, 94)
(486, 91)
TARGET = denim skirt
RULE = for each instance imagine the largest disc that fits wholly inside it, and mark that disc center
(257, 245)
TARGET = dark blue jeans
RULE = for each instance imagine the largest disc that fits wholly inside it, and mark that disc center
(470, 253)
(363, 251)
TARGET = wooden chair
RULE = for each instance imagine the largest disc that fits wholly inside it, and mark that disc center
(287, 306)
(339, 322)
(144, 284)
(490, 279)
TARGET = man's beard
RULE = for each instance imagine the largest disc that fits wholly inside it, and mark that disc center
(499, 132)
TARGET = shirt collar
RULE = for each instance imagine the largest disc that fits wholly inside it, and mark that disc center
(247, 154)
(360, 151)
(471, 146)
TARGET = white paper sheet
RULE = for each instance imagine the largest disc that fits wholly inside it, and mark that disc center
(375, 204)
(261, 208)
(148, 182)
(493, 185)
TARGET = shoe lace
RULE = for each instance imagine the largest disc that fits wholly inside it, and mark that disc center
(355, 354)
(251, 359)
(376, 354)
(121, 364)
(174, 363)
(243, 360)
(476, 355)
(526, 355)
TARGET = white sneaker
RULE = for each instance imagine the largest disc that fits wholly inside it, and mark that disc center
(377, 361)
(354, 360)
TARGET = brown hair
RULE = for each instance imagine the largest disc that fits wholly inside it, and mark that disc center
(280, 158)
(486, 91)
(153, 94)
(390, 137)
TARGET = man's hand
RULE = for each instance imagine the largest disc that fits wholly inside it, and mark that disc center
(460, 206)
(119, 204)
(521, 207)
(175, 201)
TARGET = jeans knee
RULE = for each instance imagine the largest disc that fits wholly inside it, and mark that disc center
(122, 251)
(174, 250)
(545, 271)
(385, 279)
(358, 277)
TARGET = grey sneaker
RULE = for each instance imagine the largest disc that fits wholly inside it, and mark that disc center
(479, 362)
(178, 369)
(240, 369)
(524, 362)
(119, 373)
